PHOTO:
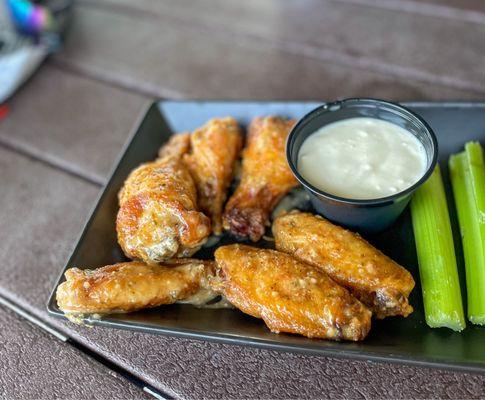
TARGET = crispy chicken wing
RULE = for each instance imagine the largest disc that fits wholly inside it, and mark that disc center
(266, 178)
(288, 295)
(214, 150)
(372, 277)
(176, 147)
(158, 216)
(132, 286)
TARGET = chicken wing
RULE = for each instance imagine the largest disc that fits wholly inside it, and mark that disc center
(158, 216)
(131, 286)
(176, 147)
(288, 295)
(214, 150)
(266, 178)
(372, 277)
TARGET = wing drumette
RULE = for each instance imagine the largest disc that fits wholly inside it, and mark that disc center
(159, 217)
(266, 178)
(214, 150)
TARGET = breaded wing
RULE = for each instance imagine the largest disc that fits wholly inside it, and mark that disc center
(176, 147)
(266, 178)
(371, 276)
(214, 150)
(158, 217)
(288, 295)
(131, 286)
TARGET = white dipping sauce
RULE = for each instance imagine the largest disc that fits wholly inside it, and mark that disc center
(362, 158)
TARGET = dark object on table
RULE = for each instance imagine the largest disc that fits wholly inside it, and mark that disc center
(407, 340)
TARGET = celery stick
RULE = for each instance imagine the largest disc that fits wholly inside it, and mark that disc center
(476, 168)
(436, 255)
(469, 228)
(476, 174)
(468, 180)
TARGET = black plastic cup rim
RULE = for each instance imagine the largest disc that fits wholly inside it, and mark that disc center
(336, 105)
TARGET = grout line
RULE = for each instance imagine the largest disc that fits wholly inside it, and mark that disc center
(20, 311)
(51, 161)
(120, 371)
(31, 318)
(110, 78)
(255, 41)
(60, 166)
(420, 8)
(371, 65)
(408, 6)
(154, 393)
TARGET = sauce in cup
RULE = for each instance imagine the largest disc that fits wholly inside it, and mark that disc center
(362, 158)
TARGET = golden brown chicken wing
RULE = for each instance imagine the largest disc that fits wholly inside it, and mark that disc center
(132, 286)
(158, 216)
(214, 150)
(288, 295)
(176, 147)
(266, 178)
(372, 277)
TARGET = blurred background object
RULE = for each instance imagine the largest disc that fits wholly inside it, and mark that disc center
(29, 31)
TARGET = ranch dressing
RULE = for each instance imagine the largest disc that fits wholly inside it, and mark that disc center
(362, 158)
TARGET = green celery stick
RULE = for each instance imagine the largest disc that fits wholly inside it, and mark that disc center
(476, 166)
(436, 255)
(468, 180)
(468, 220)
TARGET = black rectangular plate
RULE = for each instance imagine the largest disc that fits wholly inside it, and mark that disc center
(406, 340)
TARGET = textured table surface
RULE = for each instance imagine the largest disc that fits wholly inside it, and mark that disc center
(68, 124)
(35, 366)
